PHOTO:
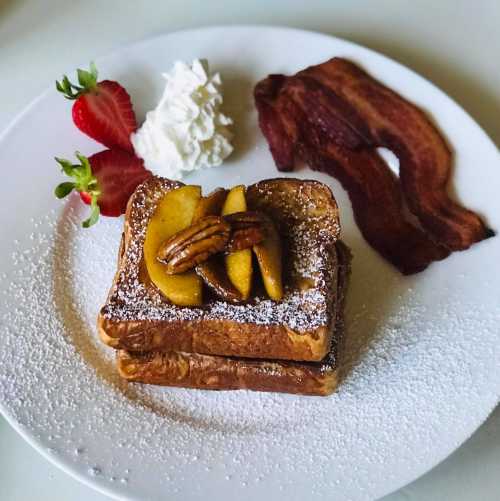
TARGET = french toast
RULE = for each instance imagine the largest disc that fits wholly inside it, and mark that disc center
(138, 318)
(212, 372)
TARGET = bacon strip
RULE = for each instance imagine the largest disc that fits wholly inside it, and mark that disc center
(372, 187)
(332, 116)
(390, 121)
(377, 206)
(281, 144)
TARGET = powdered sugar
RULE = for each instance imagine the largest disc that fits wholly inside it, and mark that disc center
(310, 259)
(408, 373)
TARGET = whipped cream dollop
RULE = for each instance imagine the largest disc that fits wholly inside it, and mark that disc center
(187, 130)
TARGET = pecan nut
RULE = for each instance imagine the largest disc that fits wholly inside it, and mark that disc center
(213, 272)
(247, 229)
(194, 245)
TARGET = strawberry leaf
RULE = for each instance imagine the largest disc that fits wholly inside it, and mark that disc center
(64, 189)
(85, 164)
(94, 213)
(93, 70)
(60, 87)
(68, 89)
(86, 79)
(83, 182)
(66, 165)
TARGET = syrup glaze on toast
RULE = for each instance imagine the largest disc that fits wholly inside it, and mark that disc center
(137, 317)
(212, 372)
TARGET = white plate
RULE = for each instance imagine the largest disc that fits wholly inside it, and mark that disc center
(424, 351)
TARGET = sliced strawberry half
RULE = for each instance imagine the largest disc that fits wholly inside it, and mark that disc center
(102, 110)
(104, 181)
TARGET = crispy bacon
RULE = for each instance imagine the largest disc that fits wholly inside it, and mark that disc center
(378, 207)
(425, 159)
(332, 116)
(271, 122)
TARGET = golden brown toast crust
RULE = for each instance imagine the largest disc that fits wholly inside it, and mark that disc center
(193, 370)
(213, 372)
(136, 317)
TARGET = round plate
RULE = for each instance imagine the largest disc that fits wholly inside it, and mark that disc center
(423, 351)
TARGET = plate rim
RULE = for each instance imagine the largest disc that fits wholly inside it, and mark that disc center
(114, 52)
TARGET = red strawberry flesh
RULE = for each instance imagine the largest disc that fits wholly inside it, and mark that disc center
(105, 114)
(118, 173)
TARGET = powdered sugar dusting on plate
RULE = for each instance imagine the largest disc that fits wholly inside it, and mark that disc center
(59, 383)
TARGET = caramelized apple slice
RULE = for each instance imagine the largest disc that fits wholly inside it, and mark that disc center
(269, 257)
(213, 272)
(239, 263)
(211, 205)
(174, 213)
(235, 201)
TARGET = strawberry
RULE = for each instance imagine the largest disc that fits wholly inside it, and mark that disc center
(102, 110)
(104, 181)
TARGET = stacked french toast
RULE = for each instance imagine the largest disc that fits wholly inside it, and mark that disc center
(239, 289)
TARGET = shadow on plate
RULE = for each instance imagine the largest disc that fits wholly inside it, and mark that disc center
(373, 290)
(239, 105)
(85, 339)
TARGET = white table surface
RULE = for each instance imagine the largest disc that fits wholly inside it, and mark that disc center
(456, 44)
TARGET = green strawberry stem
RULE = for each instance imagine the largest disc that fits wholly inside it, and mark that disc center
(83, 182)
(86, 79)
(94, 214)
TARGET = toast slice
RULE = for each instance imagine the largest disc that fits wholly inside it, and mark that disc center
(138, 318)
(211, 372)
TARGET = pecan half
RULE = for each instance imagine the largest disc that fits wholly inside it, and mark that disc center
(213, 272)
(247, 230)
(194, 245)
